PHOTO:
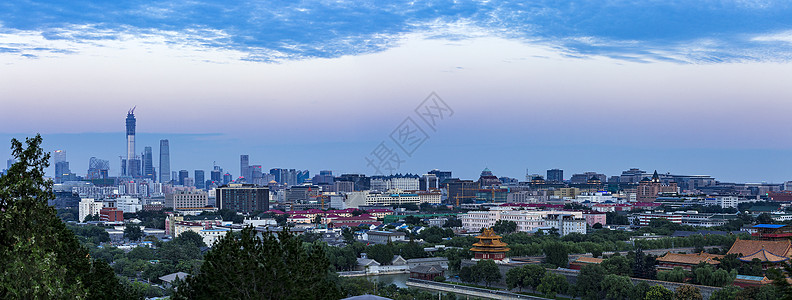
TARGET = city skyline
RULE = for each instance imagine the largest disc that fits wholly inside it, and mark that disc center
(539, 86)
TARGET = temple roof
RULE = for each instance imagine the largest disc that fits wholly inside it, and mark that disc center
(764, 256)
(690, 259)
(746, 247)
(489, 242)
(589, 260)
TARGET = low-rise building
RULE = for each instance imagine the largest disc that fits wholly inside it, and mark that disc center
(645, 218)
(384, 237)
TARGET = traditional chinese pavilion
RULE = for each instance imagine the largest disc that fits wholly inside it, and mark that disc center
(772, 232)
(489, 246)
(687, 261)
(770, 253)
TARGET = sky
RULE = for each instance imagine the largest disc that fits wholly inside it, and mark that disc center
(686, 87)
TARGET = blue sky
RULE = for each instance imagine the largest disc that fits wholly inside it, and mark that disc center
(679, 86)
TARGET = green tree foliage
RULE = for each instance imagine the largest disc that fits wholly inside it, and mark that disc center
(616, 287)
(765, 292)
(504, 226)
(341, 258)
(349, 235)
(764, 218)
(90, 234)
(705, 274)
(643, 265)
(597, 225)
(141, 253)
(556, 254)
(726, 293)
(729, 262)
(466, 274)
(658, 292)
(639, 291)
(383, 254)
(435, 235)
(133, 232)
(687, 292)
(588, 282)
(488, 271)
(515, 278)
(615, 219)
(533, 276)
(190, 238)
(264, 267)
(753, 268)
(618, 265)
(39, 257)
(676, 275)
(553, 284)
(455, 257)
(779, 277)
(453, 222)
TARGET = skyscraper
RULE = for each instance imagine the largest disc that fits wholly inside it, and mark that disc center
(164, 162)
(61, 165)
(555, 175)
(148, 164)
(132, 164)
(182, 175)
(199, 179)
(97, 168)
(244, 166)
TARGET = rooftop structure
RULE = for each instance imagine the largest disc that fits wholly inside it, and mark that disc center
(489, 246)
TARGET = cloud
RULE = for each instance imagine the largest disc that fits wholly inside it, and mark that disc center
(276, 31)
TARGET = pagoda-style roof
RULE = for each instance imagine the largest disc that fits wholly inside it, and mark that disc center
(690, 259)
(489, 242)
(764, 256)
(750, 247)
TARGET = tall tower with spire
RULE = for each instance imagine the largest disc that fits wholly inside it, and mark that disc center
(131, 166)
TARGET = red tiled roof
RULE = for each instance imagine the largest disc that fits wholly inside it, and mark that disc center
(690, 259)
(748, 247)
(764, 256)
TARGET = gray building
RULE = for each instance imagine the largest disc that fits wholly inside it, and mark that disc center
(555, 175)
(164, 161)
(183, 174)
(244, 166)
(148, 164)
(200, 183)
(244, 198)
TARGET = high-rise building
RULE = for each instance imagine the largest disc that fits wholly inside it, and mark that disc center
(428, 182)
(244, 165)
(227, 178)
(97, 168)
(442, 176)
(164, 162)
(148, 165)
(62, 171)
(555, 175)
(216, 176)
(129, 167)
(182, 175)
(175, 177)
(199, 179)
(244, 198)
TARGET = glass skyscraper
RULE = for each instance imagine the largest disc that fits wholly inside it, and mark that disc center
(164, 162)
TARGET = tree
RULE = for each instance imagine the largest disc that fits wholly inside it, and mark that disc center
(40, 257)
(141, 253)
(533, 276)
(349, 235)
(779, 277)
(639, 291)
(515, 278)
(764, 218)
(616, 287)
(266, 266)
(618, 265)
(556, 254)
(688, 292)
(588, 281)
(553, 284)
(190, 238)
(133, 232)
(383, 254)
(676, 275)
(504, 226)
(597, 226)
(488, 271)
(764, 292)
(453, 222)
(466, 274)
(658, 292)
(726, 293)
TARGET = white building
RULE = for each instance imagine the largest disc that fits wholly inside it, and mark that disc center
(724, 202)
(210, 236)
(89, 206)
(400, 183)
(128, 204)
(598, 197)
(526, 220)
(186, 199)
(393, 197)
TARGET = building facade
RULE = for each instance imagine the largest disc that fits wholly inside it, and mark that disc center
(242, 197)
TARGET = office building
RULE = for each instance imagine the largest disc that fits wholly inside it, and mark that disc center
(97, 168)
(148, 165)
(442, 176)
(244, 198)
(227, 178)
(199, 179)
(186, 200)
(428, 182)
(183, 174)
(88, 207)
(164, 162)
(244, 165)
(61, 166)
(555, 175)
